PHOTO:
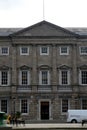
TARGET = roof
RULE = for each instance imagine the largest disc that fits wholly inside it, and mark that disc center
(43, 28)
(8, 31)
(79, 30)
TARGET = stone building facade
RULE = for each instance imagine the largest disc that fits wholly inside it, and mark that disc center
(43, 71)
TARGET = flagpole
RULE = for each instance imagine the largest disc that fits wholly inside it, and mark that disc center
(43, 10)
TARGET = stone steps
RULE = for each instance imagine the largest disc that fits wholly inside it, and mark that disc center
(51, 126)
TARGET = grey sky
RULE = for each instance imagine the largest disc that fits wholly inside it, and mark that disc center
(10, 4)
(23, 13)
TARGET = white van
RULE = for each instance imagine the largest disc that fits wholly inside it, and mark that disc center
(75, 116)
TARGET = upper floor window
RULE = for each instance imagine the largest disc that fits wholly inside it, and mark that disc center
(4, 77)
(64, 50)
(83, 77)
(83, 50)
(4, 51)
(44, 77)
(44, 50)
(24, 50)
(24, 77)
(64, 77)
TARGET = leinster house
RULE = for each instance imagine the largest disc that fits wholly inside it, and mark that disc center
(43, 71)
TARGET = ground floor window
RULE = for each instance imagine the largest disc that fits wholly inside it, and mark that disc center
(65, 105)
(24, 106)
(3, 105)
(84, 103)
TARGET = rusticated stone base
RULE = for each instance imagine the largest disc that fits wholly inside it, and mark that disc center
(5, 128)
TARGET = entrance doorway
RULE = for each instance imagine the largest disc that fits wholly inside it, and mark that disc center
(44, 110)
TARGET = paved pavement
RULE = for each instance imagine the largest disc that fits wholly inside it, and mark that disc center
(50, 125)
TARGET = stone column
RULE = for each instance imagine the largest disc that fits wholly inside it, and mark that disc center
(74, 77)
(34, 68)
(74, 65)
(14, 69)
(54, 68)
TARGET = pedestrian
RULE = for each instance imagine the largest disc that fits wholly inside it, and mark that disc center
(9, 119)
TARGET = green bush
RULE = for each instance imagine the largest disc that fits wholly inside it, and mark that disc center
(5, 116)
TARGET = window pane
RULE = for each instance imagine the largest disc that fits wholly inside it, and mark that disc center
(63, 49)
(84, 77)
(24, 50)
(4, 106)
(24, 106)
(84, 50)
(4, 50)
(64, 105)
(84, 104)
(4, 77)
(64, 77)
(44, 49)
(24, 77)
(44, 77)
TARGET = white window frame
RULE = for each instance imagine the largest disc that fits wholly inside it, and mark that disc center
(68, 106)
(67, 53)
(82, 53)
(82, 103)
(20, 77)
(4, 53)
(7, 77)
(7, 104)
(27, 106)
(80, 78)
(44, 53)
(24, 53)
(40, 77)
(60, 77)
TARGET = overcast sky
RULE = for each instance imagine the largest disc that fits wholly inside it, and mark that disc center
(24, 13)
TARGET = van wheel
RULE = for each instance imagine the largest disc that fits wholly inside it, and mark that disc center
(74, 121)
